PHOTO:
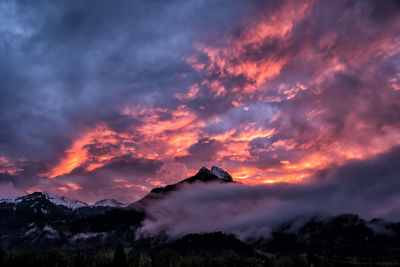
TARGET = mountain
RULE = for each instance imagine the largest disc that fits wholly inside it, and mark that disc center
(39, 201)
(221, 174)
(204, 175)
(39, 205)
(60, 201)
(44, 221)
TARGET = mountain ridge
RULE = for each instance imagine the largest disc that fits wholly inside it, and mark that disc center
(205, 175)
(62, 200)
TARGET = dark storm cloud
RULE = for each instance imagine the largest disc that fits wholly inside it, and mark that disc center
(25, 174)
(383, 11)
(369, 188)
(203, 151)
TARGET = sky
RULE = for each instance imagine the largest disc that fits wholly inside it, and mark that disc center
(108, 99)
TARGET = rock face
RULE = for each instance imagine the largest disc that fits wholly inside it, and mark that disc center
(221, 174)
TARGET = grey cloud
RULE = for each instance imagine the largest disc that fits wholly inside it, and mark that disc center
(123, 177)
(204, 150)
(27, 174)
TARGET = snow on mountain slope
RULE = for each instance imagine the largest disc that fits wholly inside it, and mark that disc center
(108, 203)
(221, 174)
(10, 200)
(59, 200)
(56, 200)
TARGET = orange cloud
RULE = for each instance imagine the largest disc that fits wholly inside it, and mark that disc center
(7, 166)
(231, 59)
(192, 94)
(77, 154)
(159, 139)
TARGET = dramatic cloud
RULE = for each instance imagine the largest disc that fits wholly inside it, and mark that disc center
(110, 99)
(370, 188)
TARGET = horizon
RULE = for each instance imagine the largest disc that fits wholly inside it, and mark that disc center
(89, 203)
(108, 101)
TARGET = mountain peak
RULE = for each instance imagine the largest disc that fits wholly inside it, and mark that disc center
(221, 174)
(204, 175)
(215, 171)
(204, 170)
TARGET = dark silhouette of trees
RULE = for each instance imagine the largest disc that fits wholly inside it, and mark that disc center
(78, 261)
(3, 257)
(120, 259)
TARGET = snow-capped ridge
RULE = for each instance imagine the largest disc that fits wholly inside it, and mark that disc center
(56, 200)
(10, 200)
(221, 174)
(108, 203)
(63, 201)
